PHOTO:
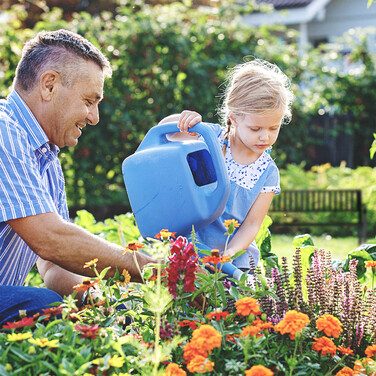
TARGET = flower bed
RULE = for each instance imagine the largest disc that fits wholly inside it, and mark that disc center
(316, 319)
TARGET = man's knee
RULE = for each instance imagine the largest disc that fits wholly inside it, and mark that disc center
(14, 299)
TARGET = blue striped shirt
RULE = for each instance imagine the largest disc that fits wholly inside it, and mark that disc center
(31, 182)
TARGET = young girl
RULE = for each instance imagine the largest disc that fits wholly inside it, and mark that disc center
(256, 103)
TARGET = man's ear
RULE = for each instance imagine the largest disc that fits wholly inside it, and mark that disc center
(48, 84)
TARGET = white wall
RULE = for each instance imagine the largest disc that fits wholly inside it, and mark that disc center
(342, 15)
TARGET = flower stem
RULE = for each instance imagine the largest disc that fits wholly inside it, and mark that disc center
(157, 351)
(331, 372)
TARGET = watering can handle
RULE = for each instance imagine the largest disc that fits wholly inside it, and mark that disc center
(156, 137)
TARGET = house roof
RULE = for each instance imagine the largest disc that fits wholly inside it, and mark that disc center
(288, 12)
(286, 4)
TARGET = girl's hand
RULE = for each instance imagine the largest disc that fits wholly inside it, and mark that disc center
(188, 119)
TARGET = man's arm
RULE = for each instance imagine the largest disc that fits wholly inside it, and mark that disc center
(58, 279)
(69, 246)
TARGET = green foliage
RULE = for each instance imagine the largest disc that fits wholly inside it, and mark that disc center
(120, 229)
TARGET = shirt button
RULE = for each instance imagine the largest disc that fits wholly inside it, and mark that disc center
(44, 150)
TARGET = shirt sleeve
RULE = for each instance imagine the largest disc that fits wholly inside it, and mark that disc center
(272, 183)
(23, 191)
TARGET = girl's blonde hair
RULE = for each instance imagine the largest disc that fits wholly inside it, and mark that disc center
(255, 87)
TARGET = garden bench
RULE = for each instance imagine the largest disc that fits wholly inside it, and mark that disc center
(306, 201)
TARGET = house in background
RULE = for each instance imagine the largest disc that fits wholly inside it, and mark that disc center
(318, 21)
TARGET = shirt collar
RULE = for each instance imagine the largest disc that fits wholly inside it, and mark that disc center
(27, 120)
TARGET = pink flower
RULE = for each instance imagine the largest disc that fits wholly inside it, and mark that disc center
(182, 266)
(88, 331)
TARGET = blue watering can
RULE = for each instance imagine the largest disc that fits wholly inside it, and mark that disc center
(176, 184)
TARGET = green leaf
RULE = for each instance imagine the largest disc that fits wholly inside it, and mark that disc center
(221, 290)
(368, 5)
(362, 256)
(302, 240)
(372, 151)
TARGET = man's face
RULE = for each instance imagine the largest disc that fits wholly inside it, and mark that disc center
(75, 106)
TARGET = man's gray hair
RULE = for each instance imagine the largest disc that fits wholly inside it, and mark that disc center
(60, 50)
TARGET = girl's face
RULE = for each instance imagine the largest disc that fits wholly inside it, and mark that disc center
(256, 132)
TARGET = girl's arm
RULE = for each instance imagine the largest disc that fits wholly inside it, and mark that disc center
(248, 230)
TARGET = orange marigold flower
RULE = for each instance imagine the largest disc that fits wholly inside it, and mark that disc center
(200, 364)
(250, 330)
(262, 325)
(345, 371)
(217, 315)
(206, 338)
(370, 264)
(246, 306)
(228, 222)
(330, 325)
(370, 351)
(191, 351)
(292, 323)
(324, 345)
(259, 371)
(132, 247)
(174, 369)
(91, 263)
(345, 350)
(165, 234)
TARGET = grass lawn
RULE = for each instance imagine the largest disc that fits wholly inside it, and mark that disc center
(339, 247)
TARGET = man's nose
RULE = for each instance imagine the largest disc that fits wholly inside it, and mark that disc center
(93, 115)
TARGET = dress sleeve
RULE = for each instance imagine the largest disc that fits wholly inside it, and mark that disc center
(272, 183)
(23, 191)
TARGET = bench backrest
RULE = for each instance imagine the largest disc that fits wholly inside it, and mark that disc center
(344, 200)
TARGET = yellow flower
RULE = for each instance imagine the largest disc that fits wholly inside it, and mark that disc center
(228, 222)
(370, 264)
(91, 263)
(125, 277)
(98, 361)
(116, 361)
(18, 336)
(165, 234)
(44, 342)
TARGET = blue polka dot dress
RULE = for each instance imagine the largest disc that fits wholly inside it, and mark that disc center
(247, 182)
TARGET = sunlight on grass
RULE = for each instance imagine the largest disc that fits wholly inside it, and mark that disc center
(339, 247)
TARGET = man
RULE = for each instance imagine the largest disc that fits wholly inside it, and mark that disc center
(57, 88)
